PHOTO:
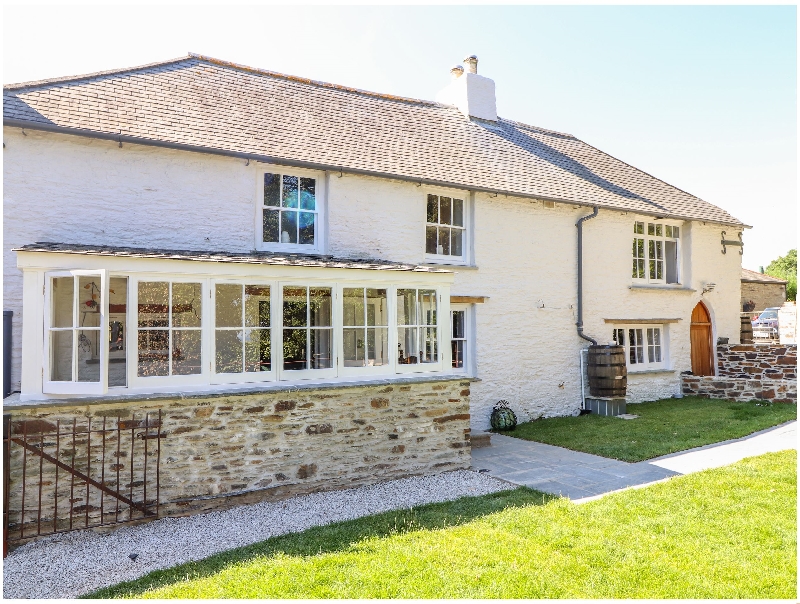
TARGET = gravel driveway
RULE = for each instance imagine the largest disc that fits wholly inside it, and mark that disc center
(71, 564)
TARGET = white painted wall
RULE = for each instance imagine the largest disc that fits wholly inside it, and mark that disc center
(70, 189)
(473, 95)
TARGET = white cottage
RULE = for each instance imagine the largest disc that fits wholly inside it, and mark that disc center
(196, 228)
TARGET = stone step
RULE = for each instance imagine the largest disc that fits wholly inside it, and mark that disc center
(480, 439)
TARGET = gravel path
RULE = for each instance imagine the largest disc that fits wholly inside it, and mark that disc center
(71, 564)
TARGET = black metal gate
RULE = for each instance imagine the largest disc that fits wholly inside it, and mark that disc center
(62, 476)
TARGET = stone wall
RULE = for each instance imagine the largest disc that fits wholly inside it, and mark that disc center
(757, 361)
(253, 447)
(748, 372)
(763, 295)
(740, 389)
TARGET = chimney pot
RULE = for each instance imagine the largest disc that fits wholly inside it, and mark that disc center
(456, 71)
(471, 64)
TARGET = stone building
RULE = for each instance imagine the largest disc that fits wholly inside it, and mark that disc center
(760, 291)
(335, 284)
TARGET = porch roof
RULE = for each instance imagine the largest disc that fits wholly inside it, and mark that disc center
(270, 258)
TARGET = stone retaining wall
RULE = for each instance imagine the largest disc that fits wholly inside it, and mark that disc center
(757, 361)
(740, 389)
(222, 450)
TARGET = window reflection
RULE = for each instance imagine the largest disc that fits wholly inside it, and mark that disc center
(242, 339)
(170, 323)
(290, 209)
(444, 232)
(417, 336)
(307, 328)
(366, 327)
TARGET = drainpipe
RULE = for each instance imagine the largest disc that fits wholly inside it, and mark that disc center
(7, 314)
(579, 324)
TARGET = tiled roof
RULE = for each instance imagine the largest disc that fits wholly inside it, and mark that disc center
(754, 277)
(250, 258)
(208, 104)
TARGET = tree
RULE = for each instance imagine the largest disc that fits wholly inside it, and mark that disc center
(785, 267)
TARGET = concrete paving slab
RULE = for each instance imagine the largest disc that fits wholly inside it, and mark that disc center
(560, 471)
(581, 475)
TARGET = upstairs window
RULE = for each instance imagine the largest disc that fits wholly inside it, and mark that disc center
(446, 228)
(656, 249)
(290, 212)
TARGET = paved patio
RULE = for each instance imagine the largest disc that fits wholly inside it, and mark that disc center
(580, 475)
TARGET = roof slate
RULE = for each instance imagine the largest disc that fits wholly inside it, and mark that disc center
(206, 103)
(754, 277)
(215, 256)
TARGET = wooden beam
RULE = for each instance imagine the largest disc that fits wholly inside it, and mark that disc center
(468, 299)
(642, 321)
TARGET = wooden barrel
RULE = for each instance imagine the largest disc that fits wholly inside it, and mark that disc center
(746, 334)
(608, 374)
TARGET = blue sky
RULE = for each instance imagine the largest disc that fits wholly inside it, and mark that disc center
(702, 97)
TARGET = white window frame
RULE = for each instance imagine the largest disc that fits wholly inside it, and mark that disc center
(647, 257)
(206, 320)
(320, 195)
(469, 340)
(646, 365)
(50, 386)
(391, 310)
(244, 377)
(39, 267)
(310, 374)
(442, 310)
(126, 333)
(466, 242)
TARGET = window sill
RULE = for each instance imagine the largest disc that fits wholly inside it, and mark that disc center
(651, 371)
(290, 248)
(662, 288)
(13, 401)
(467, 267)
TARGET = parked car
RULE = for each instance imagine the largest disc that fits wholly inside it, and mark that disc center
(766, 325)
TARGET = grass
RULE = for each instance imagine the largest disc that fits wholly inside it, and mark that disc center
(663, 427)
(724, 533)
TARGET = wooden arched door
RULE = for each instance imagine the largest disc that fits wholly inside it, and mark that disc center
(700, 332)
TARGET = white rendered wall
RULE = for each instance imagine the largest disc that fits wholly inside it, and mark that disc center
(75, 190)
(526, 253)
(78, 190)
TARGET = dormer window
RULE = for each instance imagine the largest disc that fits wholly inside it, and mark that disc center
(290, 211)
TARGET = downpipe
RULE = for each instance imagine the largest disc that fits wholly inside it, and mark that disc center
(579, 324)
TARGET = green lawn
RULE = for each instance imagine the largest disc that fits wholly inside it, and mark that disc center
(662, 427)
(724, 533)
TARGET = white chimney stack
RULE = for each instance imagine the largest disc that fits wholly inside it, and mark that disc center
(472, 94)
